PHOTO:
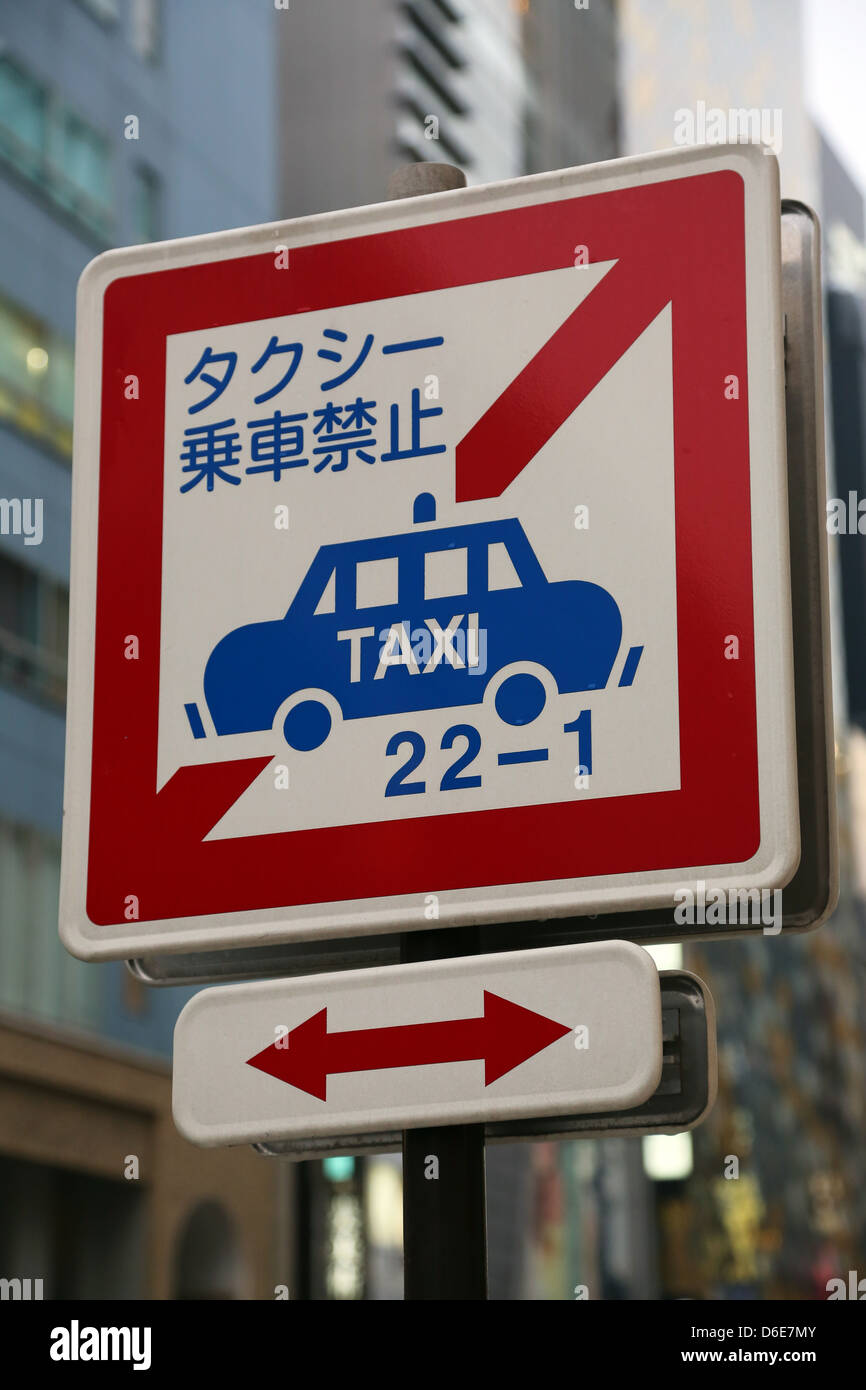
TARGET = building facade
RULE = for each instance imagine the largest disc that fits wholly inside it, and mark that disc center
(118, 125)
(498, 88)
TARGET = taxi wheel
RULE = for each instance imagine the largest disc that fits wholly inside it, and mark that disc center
(307, 725)
(520, 699)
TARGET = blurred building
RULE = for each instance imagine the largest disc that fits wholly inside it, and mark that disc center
(499, 88)
(116, 126)
(119, 124)
(100, 1198)
(572, 60)
(743, 56)
(791, 1014)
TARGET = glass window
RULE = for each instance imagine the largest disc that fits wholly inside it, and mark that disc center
(59, 378)
(34, 619)
(445, 573)
(22, 341)
(501, 573)
(36, 974)
(19, 605)
(54, 621)
(23, 111)
(146, 210)
(84, 159)
(36, 378)
(377, 583)
(145, 27)
(62, 154)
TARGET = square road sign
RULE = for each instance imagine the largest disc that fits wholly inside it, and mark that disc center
(430, 564)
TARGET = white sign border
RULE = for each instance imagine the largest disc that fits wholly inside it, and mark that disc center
(778, 855)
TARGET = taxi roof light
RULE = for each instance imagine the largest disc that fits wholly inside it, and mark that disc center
(424, 508)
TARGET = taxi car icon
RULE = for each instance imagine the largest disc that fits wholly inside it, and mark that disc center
(422, 620)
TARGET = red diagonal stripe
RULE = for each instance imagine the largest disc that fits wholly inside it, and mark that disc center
(553, 384)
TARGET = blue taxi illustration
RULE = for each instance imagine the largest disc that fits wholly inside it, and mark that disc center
(422, 620)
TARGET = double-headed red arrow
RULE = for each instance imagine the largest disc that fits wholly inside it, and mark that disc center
(505, 1035)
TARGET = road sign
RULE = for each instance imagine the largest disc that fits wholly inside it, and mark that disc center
(683, 1098)
(414, 581)
(811, 895)
(573, 1029)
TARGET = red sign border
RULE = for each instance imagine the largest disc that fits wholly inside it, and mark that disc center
(683, 236)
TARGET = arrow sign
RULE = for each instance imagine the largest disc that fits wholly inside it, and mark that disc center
(351, 1064)
(506, 1035)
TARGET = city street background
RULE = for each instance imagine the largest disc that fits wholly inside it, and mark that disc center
(130, 121)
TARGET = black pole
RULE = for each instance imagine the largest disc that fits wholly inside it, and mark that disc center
(303, 1209)
(444, 1198)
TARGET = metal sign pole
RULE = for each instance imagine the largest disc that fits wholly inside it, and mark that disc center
(444, 1202)
(444, 1199)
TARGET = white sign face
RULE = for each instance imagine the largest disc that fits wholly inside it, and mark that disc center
(420, 544)
(567, 1030)
(452, 563)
